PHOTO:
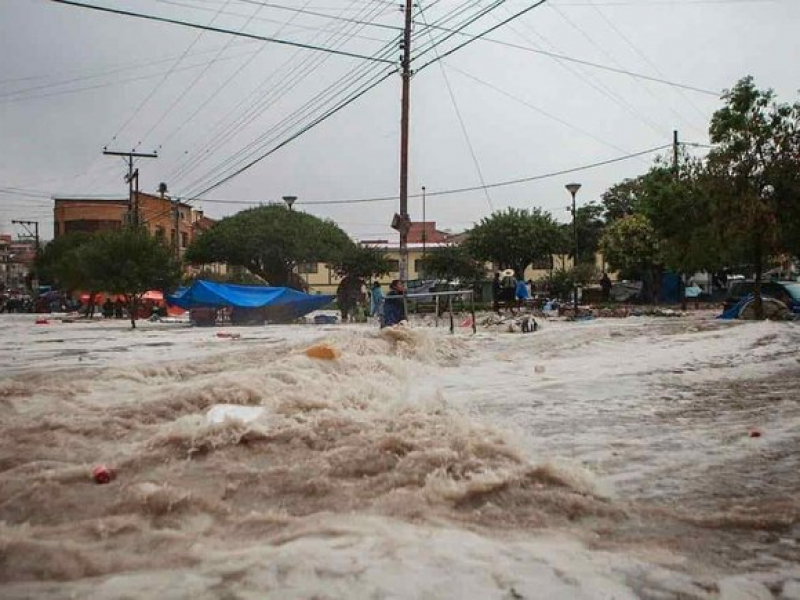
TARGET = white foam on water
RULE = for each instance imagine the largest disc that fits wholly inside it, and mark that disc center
(417, 464)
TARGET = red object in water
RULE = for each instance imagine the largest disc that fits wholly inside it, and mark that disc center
(755, 433)
(42, 322)
(102, 474)
(225, 334)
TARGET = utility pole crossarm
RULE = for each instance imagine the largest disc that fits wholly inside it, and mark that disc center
(132, 179)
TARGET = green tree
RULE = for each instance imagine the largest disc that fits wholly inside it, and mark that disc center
(678, 206)
(754, 175)
(270, 242)
(59, 265)
(590, 225)
(515, 238)
(454, 263)
(237, 275)
(129, 262)
(622, 199)
(361, 262)
(631, 244)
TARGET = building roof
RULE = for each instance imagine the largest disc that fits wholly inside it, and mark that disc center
(426, 230)
(92, 199)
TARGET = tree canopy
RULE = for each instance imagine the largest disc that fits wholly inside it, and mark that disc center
(270, 241)
(515, 238)
(453, 263)
(361, 262)
(128, 262)
(754, 174)
(59, 264)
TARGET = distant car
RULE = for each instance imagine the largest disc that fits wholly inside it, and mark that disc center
(769, 289)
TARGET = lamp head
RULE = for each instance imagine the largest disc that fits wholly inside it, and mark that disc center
(290, 200)
(573, 188)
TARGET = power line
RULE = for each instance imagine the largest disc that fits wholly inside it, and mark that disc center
(317, 102)
(461, 122)
(157, 87)
(474, 18)
(645, 58)
(498, 184)
(603, 50)
(564, 57)
(536, 108)
(197, 78)
(308, 127)
(322, 15)
(4, 100)
(295, 75)
(480, 35)
(218, 30)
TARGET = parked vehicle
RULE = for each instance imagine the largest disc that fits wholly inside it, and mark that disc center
(769, 289)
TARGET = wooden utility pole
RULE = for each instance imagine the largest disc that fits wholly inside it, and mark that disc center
(404, 130)
(132, 178)
(675, 150)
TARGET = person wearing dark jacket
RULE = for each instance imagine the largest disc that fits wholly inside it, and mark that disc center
(394, 310)
(605, 283)
(497, 291)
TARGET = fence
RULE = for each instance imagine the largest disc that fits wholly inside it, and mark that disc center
(448, 296)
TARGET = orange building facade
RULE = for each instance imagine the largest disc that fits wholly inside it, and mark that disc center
(174, 223)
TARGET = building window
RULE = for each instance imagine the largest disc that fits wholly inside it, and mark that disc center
(90, 226)
(184, 239)
(309, 267)
(543, 264)
(160, 234)
(394, 266)
(419, 266)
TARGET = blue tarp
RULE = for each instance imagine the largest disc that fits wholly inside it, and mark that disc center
(733, 311)
(208, 294)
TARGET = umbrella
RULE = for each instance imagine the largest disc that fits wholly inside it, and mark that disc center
(153, 295)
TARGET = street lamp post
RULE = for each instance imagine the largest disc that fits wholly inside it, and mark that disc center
(573, 189)
(290, 200)
(424, 227)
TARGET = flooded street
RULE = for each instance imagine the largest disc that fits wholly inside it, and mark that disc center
(640, 457)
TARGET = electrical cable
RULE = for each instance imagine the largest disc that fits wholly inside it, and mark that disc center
(645, 58)
(305, 129)
(215, 29)
(296, 74)
(322, 15)
(194, 82)
(601, 49)
(120, 81)
(595, 65)
(157, 87)
(480, 35)
(428, 194)
(536, 108)
(263, 139)
(461, 122)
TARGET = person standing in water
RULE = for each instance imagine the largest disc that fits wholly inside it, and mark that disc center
(394, 309)
(376, 297)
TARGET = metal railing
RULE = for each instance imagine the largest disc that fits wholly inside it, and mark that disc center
(449, 296)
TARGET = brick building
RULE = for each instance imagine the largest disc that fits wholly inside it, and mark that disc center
(165, 219)
(16, 262)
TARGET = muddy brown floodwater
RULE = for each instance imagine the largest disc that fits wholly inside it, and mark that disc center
(654, 458)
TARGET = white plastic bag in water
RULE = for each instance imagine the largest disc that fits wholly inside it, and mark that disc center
(219, 413)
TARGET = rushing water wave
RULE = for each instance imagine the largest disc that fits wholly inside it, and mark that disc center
(385, 472)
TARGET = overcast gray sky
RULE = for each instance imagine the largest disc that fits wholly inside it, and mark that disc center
(74, 80)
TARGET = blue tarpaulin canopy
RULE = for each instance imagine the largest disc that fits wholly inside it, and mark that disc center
(208, 294)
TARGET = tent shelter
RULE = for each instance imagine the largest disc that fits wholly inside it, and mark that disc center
(277, 304)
